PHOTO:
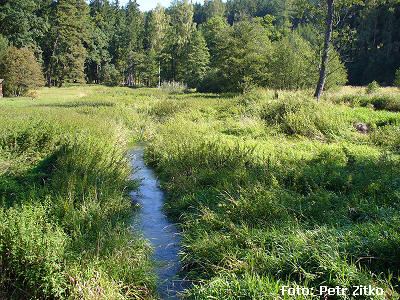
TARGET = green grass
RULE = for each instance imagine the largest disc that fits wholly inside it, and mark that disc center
(282, 191)
(65, 217)
(268, 192)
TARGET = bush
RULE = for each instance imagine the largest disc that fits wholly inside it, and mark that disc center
(304, 116)
(21, 72)
(244, 55)
(337, 72)
(372, 88)
(213, 82)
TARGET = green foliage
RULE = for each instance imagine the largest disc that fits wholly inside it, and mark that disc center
(177, 38)
(21, 71)
(197, 60)
(337, 73)
(214, 31)
(214, 8)
(23, 22)
(244, 51)
(157, 27)
(389, 102)
(75, 41)
(69, 32)
(212, 82)
(243, 55)
(109, 75)
(372, 88)
(98, 56)
(397, 78)
(3, 48)
(302, 116)
(293, 64)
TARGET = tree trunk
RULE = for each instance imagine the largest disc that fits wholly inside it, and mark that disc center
(159, 73)
(325, 54)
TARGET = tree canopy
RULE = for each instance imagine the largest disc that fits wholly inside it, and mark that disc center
(21, 70)
(230, 43)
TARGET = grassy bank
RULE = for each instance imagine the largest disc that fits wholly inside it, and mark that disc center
(269, 192)
(65, 213)
(286, 191)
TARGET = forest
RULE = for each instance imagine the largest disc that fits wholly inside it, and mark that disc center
(215, 46)
(233, 150)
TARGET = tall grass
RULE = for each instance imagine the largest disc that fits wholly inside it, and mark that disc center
(270, 189)
(65, 219)
(306, 201)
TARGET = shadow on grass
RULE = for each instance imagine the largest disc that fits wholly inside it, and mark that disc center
(213, 96)
(76, 104)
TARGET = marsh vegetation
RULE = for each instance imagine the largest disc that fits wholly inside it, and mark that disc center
(266, 191)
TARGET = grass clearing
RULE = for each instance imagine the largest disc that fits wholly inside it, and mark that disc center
(269, 192)
(66, 214)
(282, 191)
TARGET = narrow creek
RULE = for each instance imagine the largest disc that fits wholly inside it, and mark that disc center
(155, 226)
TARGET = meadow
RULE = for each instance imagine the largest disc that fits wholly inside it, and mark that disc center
(269, 188)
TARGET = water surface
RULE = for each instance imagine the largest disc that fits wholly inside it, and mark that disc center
(152, 221)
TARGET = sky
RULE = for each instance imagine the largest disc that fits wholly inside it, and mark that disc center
(146, 5)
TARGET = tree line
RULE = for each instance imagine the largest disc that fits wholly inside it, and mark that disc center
(215, 46)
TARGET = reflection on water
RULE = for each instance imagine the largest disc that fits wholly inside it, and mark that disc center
(162, 234)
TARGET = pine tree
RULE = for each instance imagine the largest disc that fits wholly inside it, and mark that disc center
(3, 47)
(22, 22)
(150, 68)
(101, 31)
(214, 8)
(70, 32)
(197, 60)
(131, 54)
(157, 27)
(179, 34)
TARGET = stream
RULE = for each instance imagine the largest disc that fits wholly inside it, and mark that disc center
(155, 226)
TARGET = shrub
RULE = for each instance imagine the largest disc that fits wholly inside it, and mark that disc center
(337, 72)
(244, 55)
(213, 82)
(303, 116)
(386, 102)
(21, 72)
(372, 88)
